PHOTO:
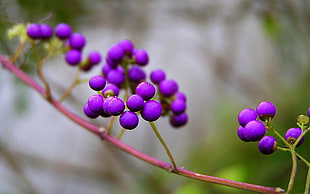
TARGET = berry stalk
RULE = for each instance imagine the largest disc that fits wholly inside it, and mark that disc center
(126, 148)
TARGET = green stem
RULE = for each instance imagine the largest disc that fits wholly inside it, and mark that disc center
(71, 87)
(174, 166)
(120, 134)
(293, 171)
(110, 124)
(307, 182)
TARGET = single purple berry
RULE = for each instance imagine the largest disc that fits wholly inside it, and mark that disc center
(178, 106)
(178, 120)
(146, 90)
(34, 31)
(157, 76)
(127, 46)
(180, 95)
(95, 103)
(168, 87)
(110, 90)
(141, 57)
(267, 145)
(151, 110)
(77, 41)
(246, 115)
(136, 74)
(94, 58)
(241, 134)
(265, 110)
(116, 76)
(309, 111)
(135, 102)
(115, 53)
(46, 31)
(97, 82)
(113, 105)
(63, 31)
(89, 113)
(129, 120)
(254, 130)
(292, 134)
(73, 57)
(112, 64)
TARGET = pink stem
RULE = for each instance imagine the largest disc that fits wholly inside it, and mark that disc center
(126, 148)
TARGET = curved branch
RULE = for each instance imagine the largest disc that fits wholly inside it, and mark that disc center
(126, 148)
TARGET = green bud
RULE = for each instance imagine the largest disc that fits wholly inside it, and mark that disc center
(18, 30)
(303, 119)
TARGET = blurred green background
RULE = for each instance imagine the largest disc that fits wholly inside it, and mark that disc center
(226, 55)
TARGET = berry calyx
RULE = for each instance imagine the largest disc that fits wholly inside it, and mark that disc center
(246, 115)
(265, 110)
(129, 120)
(151, 110)
(267, 145)
(110, 90)
(292, 134)
(254, 130)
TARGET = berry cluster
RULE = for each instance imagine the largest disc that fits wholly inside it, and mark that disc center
(123, 71)
(253, 125)
(73, 43)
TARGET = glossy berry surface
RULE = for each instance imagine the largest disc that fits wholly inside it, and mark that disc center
(246, 115)
(115, 53)
(135, 102)
(89, 113)
(95, 103)
(265, 110)
(178, 120)
(178, 106)
(77, 41)
(157, 76)
(73, 57)
(63, 31)
(292, 134)
(116, 76)
(168, 87)
(113, 105)
(240, 133)
(94, 57)
(151, 110)
(34, 31)
(267, 145)
(146, 90)
(136, 74)
(127, 46)
(46, 31)
(141, 57)
(97, 82)
(129, 120)
(110, 90)
(254, 130)
(180, 95)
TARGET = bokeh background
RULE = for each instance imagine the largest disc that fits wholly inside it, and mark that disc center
(226, 55)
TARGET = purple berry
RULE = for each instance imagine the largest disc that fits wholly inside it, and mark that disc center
(141, 57)
(146, 90)
(135, 102)
(110, 90)
(97, 82)
(73, 57)
(157, 76)
(246, 115)
(77, 41)
(113, 105)
(309, 111)
(116, 76)
(95, 103)
(151, 110)
(178, 120)
(63, 31)
(240, 133)
(89, 113)
(178, 106)
(115, 53)
(129, 120)
(292, 134)
(168, 87)
(180, 95)
(265, 110)
(136, 74)
(127, 46)
(46, 31)
(94, 58)
(267, 145)
(34, 31)
(254, 130)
